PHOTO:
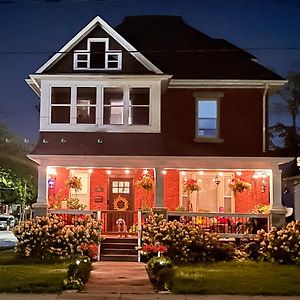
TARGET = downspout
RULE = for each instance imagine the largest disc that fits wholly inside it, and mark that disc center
(265, 116)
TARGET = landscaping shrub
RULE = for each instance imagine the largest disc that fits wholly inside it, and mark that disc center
(281, 245)
(185, 242)
(78, 273)
(48, 237)
(156, 264)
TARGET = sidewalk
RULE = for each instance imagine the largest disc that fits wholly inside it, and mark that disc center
(126, 281)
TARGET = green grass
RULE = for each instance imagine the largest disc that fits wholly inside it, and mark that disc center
(30, 275)
(237, 278)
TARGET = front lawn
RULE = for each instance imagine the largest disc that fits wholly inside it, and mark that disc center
(237, 278)
(30, 275)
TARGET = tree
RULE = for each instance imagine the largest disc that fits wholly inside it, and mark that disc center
(290, 95)
(18, 175)
(14, 189)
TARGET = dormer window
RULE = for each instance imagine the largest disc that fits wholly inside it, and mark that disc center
(97, 56)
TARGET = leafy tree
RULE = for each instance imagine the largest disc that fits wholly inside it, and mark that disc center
(290, 105)
(14, 189)
(18, 175)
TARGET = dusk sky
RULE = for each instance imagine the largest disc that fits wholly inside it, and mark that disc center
(32, 30)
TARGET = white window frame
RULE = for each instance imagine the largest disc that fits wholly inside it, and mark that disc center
(87, 52)
(154, 106)
(208, 97)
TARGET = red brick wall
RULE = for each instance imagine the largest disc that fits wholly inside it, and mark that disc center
(98, 190)
(171, 194)
(247, 200)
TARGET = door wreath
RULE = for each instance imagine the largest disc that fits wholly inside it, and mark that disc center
(120, 203)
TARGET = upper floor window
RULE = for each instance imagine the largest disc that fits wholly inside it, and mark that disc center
(97, 56)
(93, 106)
(60, 104)
(208, 118)
(86, 105)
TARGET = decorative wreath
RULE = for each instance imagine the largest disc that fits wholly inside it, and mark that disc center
(120, 203)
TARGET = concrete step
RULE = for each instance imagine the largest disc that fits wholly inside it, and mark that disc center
(120, 240)
(118, 257)
(121, 251)
(118, 245)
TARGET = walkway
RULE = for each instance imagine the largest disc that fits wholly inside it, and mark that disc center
(110, 277)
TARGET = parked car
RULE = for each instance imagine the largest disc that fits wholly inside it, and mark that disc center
(7, 221)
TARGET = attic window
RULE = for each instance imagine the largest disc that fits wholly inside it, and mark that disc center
(97, 56)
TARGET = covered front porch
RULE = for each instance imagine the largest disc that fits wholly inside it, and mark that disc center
(112, 185)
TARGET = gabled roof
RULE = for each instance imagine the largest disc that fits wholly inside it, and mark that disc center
(178, 49)
(97, 21)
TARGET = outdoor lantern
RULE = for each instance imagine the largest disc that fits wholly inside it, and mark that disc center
(217, 179)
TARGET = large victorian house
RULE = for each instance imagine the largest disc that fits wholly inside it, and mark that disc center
(155, 96)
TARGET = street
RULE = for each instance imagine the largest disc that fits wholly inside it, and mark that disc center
(7, 239)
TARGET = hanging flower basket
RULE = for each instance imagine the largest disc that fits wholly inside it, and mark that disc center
(74, 183)
(190, 185)
(120, 203)
(145, 182)
(237, 185)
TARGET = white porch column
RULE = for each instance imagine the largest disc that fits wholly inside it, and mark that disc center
(277, 210)
(159, 188)
(40, 208)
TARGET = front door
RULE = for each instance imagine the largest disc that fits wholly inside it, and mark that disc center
(120, 203)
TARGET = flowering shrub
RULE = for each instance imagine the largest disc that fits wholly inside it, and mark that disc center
(185, 242)
(261, 209)
(281, 245)
(190, 185)
(74, 183)
(145, 182)
(237, 184)
(72, 203)
(48, 236)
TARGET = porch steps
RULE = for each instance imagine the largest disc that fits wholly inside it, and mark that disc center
(119, 249)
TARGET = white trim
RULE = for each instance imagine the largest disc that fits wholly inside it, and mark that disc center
(224, 83)
(34, 80)
(178, 162)
(85, 31)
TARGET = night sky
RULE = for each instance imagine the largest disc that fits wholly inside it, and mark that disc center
(32, 30)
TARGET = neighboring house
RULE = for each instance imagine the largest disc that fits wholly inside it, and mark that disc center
(155, 95)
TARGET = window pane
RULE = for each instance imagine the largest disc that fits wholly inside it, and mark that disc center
(207, 109)
(139, 96)
(112, 64)
(87, 94)
(81, 64)
(112, 96)
(60, 114)
(82, 57)
(138, 116)
(207, 124)
(97, 55)
(207, 132)
(61, 95)
(113, 115)
(115, 183)
(86, 115)
(112, 57)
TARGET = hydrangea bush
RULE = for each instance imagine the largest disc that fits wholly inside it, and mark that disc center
(49, 237)
(282, 245)
(185, 242)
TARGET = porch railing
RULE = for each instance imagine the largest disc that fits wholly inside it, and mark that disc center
(109, 219)
(68, 214)
(226, 224)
